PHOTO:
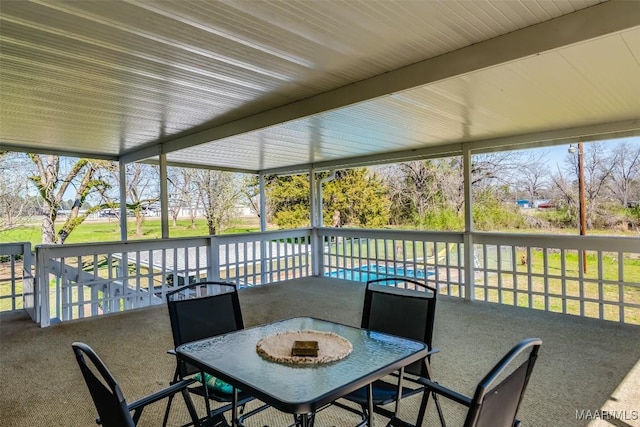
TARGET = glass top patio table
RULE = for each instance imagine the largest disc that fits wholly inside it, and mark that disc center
(301, 389)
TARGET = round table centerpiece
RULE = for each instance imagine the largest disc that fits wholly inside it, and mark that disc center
(278, 347)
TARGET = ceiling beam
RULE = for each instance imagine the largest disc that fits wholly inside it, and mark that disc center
(585, 24)
(596, 132)
(587, 133)
(56, 151)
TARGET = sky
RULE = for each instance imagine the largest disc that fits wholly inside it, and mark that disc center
(557, 154)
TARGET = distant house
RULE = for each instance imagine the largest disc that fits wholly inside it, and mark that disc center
(537, 204)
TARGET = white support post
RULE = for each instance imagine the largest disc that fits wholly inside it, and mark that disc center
(164, 197)
(316, 252)
(263, 228)
(213, 260)
(42, 287)
(123, 201)
(469, 265)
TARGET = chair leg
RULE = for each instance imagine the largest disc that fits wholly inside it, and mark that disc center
(166, 411)
(425, 398)
(423, 407)
(192, 410)
(436, 400)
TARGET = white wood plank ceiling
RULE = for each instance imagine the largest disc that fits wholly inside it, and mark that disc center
(277, 86)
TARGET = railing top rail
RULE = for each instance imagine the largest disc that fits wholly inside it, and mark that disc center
(439, 236)
(560, 241)
(266, 235)
(14, 248)
(78, 249)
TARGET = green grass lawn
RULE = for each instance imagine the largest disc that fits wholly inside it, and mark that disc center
(109, 231)
(569, 287)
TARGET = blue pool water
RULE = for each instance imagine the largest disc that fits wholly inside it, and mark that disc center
(364, 273)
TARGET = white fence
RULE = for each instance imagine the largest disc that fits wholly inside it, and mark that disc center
(543, 272)
(83, 280)
(16, 278)
(535, 271)
(546, 272)
(360, 255)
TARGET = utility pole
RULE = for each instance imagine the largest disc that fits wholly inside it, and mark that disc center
(582, 199)
(583, 202)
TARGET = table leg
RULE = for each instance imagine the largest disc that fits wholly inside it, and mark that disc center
(234, 408)
(399, 396)
(370, 403)
(305, 420)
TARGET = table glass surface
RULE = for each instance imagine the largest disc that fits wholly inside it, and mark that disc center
(234, 356)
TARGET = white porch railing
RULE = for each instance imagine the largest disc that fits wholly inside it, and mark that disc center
(359, 255)
(541, 272)
(83, 280)
(545, 272)
(16, 278)
(535, 271)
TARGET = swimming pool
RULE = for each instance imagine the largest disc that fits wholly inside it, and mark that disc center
(364, 273)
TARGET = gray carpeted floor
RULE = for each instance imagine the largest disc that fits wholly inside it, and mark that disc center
(584, 364)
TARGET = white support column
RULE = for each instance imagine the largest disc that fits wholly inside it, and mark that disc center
(164, 197)
(263, 204)
(469, 259)
(213, 260)
(123, 200)
(316, 244)
(313, 198)
(42, 287)
(263, 228)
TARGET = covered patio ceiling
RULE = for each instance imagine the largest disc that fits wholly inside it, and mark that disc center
(283, 86)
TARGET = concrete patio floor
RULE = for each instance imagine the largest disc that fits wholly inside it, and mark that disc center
(584, 366)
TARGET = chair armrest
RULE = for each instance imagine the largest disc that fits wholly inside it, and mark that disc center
(159, 395)
(448, 393)
(172, 352)
(433, 351)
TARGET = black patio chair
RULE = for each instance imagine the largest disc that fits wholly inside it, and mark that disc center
(404, 307)
(496, 406)
(113, 409)
(202, 310)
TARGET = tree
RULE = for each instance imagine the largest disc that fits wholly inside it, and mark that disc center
(251, 192)
(625, 176)
(288, 200)
(427, 193)
(360, 198)
(218, 193)
(356, 197)
(53, 184)
(183, 193)
(532, 177)
(15, 201)
(598, 169)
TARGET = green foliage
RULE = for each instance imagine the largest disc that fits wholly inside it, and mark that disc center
(489, 214)
(359, 197)
(288, 198)
(356, 196)
(563, 217)
(444, 219)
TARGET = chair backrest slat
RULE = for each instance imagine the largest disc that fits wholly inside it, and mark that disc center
(498, 406)
(202, 310)
(403, 307)
(106, 393)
